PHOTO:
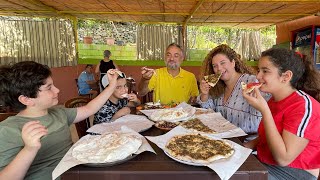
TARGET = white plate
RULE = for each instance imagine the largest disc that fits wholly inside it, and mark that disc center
(181, 161)
(153, 104)
(111, 163)
(189, 116)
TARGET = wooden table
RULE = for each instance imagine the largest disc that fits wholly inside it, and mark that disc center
(149, 166)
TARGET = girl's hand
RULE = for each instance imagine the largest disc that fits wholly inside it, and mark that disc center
(204, 87)
(132, 97)
(255, 99)
(31, 133)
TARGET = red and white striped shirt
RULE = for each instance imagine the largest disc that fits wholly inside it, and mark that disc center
(299, 114)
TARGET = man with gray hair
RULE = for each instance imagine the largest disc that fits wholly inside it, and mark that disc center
(170, 84)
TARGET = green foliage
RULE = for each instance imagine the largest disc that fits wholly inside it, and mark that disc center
(88, 25)
(268, 37)
(208, 37)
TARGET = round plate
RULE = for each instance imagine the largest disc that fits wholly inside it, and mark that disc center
(165, 128)
(181, 161)
(111, 163)
(146, 129)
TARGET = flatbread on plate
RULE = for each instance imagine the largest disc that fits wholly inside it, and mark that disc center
(110, 147)
(199, 149)
(197, 126)
(169, 115)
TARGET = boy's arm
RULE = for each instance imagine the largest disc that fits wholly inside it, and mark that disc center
(122, 112)
(31, 134)
(95, 104)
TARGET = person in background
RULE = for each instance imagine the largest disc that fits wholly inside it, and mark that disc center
(118, 104)
(226, 96)
(289, 139)
(104, 65)
(87, 83)
(35, 140)
(170, 84)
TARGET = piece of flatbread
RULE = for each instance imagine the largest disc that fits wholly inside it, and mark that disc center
(196, 148)
(109, 147)
(169, 114)
(149, 69)
(212, 79)
(125, 95)
(196, 126)
(248, 88)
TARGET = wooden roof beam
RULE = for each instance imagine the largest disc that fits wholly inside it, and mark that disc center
(265, 1)
(194, 9)
(156, 13)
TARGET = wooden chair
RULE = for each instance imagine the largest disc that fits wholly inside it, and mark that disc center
(147, 98)
(84, 95)
(84, 125)
(5, 115)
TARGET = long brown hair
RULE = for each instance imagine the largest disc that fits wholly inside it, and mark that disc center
(305, 76)
(207, 68)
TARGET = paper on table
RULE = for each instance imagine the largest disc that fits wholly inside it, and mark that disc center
(188, 108)
(68, 161)
(137, 123)
(225, 168)
(203, 111)
(223, 127)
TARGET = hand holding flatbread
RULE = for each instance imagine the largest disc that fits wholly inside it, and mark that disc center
(256, 100)
(212, 79)
(132, 97)
(248, 88)
(204, 87)
(147, 73)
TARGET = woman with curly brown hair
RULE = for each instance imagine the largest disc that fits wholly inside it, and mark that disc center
(226, 96)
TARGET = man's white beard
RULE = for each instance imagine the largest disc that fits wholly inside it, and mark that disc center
(173, 66)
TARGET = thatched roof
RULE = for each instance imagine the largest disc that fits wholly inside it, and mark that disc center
(225, 13)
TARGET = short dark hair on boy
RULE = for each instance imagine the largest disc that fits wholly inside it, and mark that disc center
(23, 78)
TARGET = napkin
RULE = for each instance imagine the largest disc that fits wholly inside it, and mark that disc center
(218, 123)
(186, 107)
(137, 123)
(225, 168)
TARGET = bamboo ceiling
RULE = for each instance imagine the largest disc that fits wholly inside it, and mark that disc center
(223, 13)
